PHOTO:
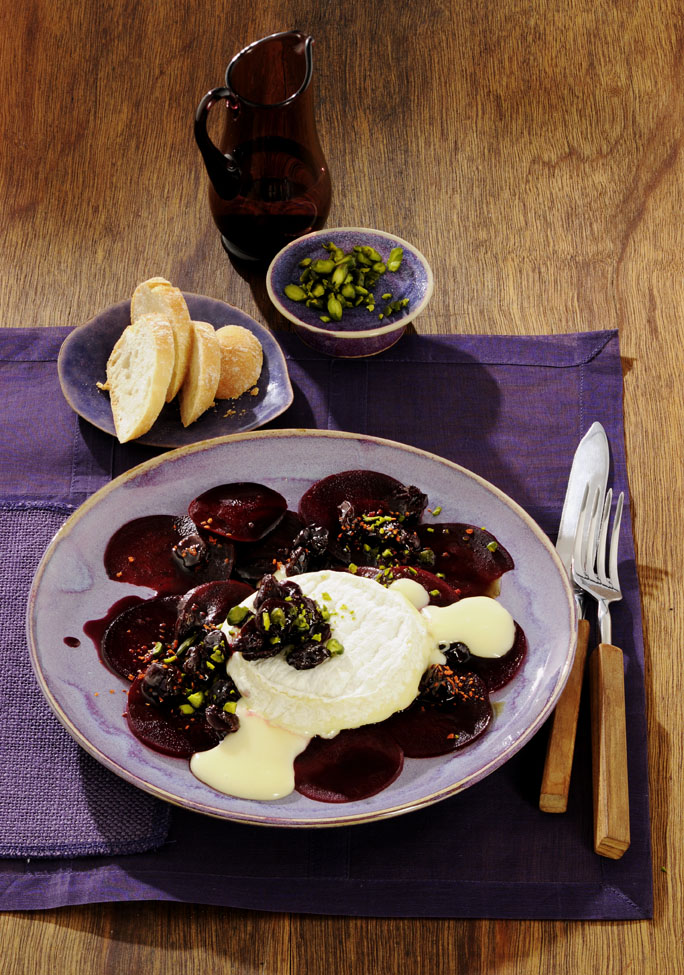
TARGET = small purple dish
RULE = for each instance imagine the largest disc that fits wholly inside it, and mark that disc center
(360, 332)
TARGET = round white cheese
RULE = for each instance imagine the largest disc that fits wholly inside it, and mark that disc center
(387, 648)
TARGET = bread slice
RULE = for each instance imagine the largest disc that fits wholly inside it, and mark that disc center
(241, 360)
(204, 371)
(159, 297)
(138, 373)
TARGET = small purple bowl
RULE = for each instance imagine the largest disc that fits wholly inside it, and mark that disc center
(360, 332)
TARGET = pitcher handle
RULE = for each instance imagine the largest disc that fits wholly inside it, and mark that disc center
(222, 168)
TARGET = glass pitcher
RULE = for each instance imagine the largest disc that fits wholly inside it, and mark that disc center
(269, 180)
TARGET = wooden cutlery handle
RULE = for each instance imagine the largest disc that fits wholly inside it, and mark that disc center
(609, 751)
(561, 747)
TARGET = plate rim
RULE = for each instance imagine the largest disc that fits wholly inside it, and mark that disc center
(299, 822)
(92, 325)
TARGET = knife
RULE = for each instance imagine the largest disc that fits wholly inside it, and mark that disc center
(589, 468)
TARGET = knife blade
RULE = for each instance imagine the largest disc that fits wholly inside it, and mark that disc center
(589, 468)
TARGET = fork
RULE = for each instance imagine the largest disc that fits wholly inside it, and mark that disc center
(606, 674)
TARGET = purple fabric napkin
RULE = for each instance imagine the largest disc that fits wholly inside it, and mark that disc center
(512, 410)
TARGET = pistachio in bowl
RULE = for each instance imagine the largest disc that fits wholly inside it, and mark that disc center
(349, 291)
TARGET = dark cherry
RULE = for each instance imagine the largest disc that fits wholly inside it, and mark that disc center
(222, 722)
(154, 551)
(470, 558)
(424, 731)
(133, 633)
(242, 512)
(309, 551)
(365, 490)
(252, 561)
(353, 765)
(208, 604)
(495, 672)
(166, 731)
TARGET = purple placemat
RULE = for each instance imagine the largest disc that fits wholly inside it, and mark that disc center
(510, 409)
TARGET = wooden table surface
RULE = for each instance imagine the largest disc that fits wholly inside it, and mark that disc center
(533, 151)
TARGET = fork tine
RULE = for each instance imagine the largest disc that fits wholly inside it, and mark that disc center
(591, 540)
(614, 540)
(602, 539)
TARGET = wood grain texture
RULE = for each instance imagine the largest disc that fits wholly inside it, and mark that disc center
(560, 750)
(533, 151)
(609, 751)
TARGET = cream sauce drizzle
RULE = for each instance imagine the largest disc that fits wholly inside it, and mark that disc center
(483, 624)
(255, 762)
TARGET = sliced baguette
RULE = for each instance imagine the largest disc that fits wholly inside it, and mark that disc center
(159, 297)
(138, 373)
(241, 361)
(204, 371)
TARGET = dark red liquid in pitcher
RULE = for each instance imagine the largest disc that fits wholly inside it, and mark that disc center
(282, 195)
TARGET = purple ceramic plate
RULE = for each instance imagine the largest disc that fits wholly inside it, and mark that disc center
(83, 358)
(70, 588)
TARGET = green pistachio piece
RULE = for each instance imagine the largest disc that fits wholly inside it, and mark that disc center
(323, 267)
(334, 308)
(294, 292)
(395, 258)
(371, 253)
(339, 274)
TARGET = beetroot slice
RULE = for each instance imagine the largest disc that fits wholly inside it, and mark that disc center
(365, 490)
(356, 764)
(208, 604)
(469, 558)
(96, 629)
(133, 633)
(495, 672)
(424, 731)
(141, 553)
(178, 735)
(440, 592)
(255, 560)
(242, 512)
